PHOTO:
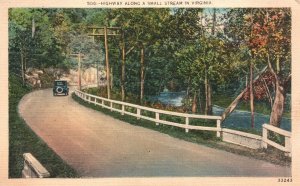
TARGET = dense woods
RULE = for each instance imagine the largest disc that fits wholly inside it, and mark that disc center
(204, 52)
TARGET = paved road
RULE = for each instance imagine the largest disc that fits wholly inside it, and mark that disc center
(97, 145)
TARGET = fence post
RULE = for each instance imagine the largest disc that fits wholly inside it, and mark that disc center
(33, 168)
(186, 123)
(157, 118)
(111, 106)
(123, 109)
(95, 101)
(102, 102)
(138, 112)
(264, 137)
(287, 145)
(219, 128)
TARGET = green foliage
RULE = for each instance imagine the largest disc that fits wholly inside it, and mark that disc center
(181, 46)
(263, 33)
(22, 139)
(31, 35)
(84, 45)
(277, 138)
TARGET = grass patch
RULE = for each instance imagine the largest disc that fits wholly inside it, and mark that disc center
(247, 130)
(22, 139)
(148, 113)
(277, 138)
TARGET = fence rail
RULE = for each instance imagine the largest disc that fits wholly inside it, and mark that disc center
(287, 148)
(101, 102)
(228, 135)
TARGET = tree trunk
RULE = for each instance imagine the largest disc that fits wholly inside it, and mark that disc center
(79, 71)
(107, 63)
(208, 106)
(194, 105)
(188, 88)
(111, 78)
(235, 102)
(25, 63)
(278, 106)
(251, 95)
(123, 69)
(199, 100)
(22, 67)
(214, 22)
(142, 73)
(268, 93)
(97, 74)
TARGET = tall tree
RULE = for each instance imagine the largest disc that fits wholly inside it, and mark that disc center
(269, 40)
(184, 31)
(31, 37)
(201, 57)
(143, 27)
(273, 43)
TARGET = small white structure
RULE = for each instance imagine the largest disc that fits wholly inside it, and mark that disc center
(33, 168)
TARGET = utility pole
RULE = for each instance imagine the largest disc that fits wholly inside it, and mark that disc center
(123, 67)
(79, 56)
(251, 77)
(107, 63)
(208, 107)
(106, 31)
(214, 22)
(97, 65)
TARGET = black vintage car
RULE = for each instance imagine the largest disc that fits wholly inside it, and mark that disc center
(60, 87)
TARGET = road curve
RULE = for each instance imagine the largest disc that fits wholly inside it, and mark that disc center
(97, 145)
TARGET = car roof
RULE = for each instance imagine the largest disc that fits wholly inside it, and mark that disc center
(60, 80)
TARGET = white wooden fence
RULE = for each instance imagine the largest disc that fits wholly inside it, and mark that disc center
(287, 148)
(101, 101)
(228, 135)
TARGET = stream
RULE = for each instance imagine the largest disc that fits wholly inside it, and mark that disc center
(237, 119)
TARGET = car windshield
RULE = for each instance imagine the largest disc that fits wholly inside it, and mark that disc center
(60, 83)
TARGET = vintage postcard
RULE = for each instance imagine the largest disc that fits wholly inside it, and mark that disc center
(125, 92)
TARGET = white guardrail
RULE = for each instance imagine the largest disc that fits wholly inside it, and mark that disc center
(33, 168)
(287, 148)
(100, 101)
(228, 135)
